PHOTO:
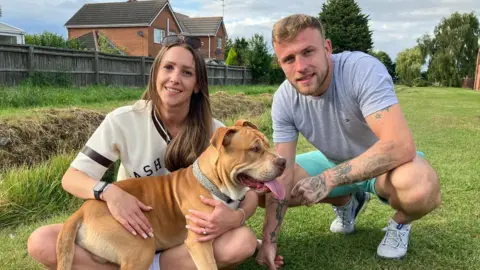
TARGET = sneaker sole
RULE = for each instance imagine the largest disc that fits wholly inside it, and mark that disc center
(391, 258)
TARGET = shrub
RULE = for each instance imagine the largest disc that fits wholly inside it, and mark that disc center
(232, 58)
(48, 79)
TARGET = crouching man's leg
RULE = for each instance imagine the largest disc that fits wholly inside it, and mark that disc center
(413, 190)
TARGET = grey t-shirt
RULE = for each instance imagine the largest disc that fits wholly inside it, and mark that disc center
(335, 122)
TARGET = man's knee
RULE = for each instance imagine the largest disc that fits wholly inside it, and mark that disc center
(241, 247)
(41, 245)
(419, 183)
(431, 186)
(427, 183)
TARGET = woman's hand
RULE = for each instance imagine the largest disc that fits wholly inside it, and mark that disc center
(216, 223)
(127, 210)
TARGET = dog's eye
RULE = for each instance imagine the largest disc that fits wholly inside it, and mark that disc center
(255, 149)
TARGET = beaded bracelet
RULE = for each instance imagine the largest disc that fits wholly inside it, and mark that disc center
(243, 219)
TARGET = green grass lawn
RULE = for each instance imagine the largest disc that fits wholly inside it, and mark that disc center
(15, 100)
(446, 125)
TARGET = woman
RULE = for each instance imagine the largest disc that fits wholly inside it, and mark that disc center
(163, 132)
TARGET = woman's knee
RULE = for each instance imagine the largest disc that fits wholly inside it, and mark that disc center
(41, 244)
(239, 247)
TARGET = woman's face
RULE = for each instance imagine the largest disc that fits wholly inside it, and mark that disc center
(176, 78)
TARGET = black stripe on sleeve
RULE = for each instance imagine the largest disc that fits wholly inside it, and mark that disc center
(95, 156)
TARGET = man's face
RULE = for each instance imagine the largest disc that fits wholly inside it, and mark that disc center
(306, 61)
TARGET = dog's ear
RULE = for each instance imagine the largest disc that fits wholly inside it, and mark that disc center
(222, 137)
(245, 123)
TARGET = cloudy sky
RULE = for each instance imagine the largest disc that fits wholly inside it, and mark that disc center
(396, 24)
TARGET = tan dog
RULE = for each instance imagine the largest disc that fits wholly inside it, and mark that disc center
(238, 157)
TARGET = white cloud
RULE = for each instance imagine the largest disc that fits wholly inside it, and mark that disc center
(396, 24)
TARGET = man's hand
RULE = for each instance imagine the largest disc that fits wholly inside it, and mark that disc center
(311, 190)
(267, 256)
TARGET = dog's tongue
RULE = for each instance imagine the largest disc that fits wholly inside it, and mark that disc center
(276, 188)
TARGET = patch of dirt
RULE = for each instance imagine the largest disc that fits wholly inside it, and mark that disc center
(226, 105)
(36, 138)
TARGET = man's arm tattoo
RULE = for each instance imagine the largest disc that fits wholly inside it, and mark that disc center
(278, 217)
(370, 167)
(317, 185)
(342, 173)
(378, 115)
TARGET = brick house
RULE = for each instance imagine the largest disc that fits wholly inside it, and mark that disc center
(136, 28)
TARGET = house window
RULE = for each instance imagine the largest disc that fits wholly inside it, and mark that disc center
(158, 35)
(8, 40)
(219, 43)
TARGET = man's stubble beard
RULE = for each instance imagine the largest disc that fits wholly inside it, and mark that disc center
(320, 82)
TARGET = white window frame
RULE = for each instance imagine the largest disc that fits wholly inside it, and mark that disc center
(219, 43)
(158, 35)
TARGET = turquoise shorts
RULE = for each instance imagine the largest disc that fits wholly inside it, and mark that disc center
(315, 163)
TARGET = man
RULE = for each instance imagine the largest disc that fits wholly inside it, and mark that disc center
(344, 105)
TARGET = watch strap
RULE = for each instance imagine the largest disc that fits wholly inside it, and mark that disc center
(99, 191)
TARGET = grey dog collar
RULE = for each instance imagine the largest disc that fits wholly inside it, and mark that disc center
(209, 185)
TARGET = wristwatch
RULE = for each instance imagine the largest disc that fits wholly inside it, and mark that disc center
(99, 188)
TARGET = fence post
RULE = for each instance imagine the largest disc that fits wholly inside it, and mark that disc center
(244, 75)
(226, 75)
(31, 60)
(142, 70)
(96, 68)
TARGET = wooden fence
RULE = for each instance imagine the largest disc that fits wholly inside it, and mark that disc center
(85, 68)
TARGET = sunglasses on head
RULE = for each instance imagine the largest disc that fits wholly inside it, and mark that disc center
(194, 42)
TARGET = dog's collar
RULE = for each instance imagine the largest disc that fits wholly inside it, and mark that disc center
(209, 185)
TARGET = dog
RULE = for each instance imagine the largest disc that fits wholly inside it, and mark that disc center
(237, 159)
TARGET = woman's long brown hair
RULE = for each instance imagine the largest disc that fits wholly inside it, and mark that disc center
(195, 135)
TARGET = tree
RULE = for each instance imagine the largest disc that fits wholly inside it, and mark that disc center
(228, 44)
(259, 60)
(232, 57)
(453, 49)
(409, 65)
(276, 75)
(0, 11)
(346, 26)
(386, 60)
(241, 48)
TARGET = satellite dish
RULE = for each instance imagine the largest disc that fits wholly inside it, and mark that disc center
(140, 33)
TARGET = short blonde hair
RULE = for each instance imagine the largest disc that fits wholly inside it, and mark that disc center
(287, 28)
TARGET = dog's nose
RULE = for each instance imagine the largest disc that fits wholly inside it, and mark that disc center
(280, 162)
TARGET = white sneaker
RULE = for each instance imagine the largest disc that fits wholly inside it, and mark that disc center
(347, 214)
(395, 243)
